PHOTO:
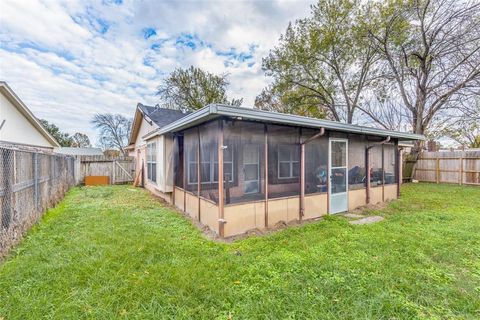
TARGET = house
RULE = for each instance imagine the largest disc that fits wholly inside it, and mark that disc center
(276, 167)
(83, 151)
(19, 127)
(152, 167)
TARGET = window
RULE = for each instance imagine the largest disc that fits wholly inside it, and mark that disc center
(152, 161)
(228, 164)
(251, 168)
(192, 164)
(288, 161)
(209, 164)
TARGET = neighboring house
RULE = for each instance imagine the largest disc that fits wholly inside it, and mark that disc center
(151, 159)
(84, 151)
(276, 167)
(19, 127)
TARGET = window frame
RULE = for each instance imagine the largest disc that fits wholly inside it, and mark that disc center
(291, 161)
(212, 162)
(152, 161)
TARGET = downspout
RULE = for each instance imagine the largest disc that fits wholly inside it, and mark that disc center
(265, 131)
(302, 170)
(198, 175)
(367, 164)
(399, 169)
(175, 142)
(221, 203)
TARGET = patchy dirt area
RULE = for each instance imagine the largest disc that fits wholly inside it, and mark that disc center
(366, 220)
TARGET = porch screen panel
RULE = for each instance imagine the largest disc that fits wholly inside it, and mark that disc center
(316, 162)
(209, 161)
(191, 160)
(357, 174)
(178, 161)
(376, 165)
(244, 161)
(283, 161)
(389, 160)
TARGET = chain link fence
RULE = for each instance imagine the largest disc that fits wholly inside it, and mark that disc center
(30, 182)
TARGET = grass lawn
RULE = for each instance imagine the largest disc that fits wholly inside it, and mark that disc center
(115, 252)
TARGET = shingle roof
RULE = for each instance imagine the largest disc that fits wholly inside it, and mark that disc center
(162, 116)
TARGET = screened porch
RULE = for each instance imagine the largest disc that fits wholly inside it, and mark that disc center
(274, 173)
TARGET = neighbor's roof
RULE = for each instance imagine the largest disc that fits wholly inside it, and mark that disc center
(214, 111)
(162, 116)
(23, 109)
(159, 116)
(87, 151)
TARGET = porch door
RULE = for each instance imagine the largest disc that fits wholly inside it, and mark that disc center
(251, 168)
(338, 175)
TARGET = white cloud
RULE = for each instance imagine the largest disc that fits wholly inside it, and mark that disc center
(70, 59)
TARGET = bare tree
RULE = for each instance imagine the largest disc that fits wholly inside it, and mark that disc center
(387, 113)
(80, 140)
(431, 50)
(114, 130)
(463, 128)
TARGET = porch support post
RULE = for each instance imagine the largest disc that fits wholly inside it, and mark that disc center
(175, 153)
(383, 173)
(302, 169)
(367, 166)
(328, 174)
(221, 220)
(184, 177)
(266, 174)
(302, 181)
(198, 172)
(399, 167)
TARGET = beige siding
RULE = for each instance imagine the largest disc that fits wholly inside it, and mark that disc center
(209, 214)
(243, 217)
(390, 192)
(315, 206)
(191, 205)
(376, 195)
(17, 129)
(179, 199)
(357, 198)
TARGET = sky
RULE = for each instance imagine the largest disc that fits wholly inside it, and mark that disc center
(68, 60)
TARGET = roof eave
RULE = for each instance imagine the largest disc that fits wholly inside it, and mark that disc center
(22, 107)
(218, 110)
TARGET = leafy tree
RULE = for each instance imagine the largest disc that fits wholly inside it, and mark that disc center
(114, 130)
(431, 51)
(325, 61)
(288, 102)
(194, 88)
(62, 138)
(80, 140)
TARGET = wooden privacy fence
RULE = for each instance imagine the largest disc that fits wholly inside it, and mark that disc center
(461, 167)
(118, 169)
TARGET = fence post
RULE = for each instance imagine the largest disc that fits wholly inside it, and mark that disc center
(35, 180)
(438, 170)
(461, 169)
(113, 171)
